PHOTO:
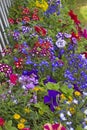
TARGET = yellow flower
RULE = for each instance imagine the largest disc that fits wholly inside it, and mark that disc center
(21, 126)
(63, 97)
(70, 99)
(16, 116)
(43, 5)
(58, 108)
(41, 112)
(27, 110)
(22, 120)
(77, 93)
(72, 110)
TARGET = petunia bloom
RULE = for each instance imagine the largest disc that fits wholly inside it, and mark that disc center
(52, 99)
(57, 126)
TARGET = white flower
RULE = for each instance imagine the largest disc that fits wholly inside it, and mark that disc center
(71, 128)
(84, 93)
(68, 113)
(62, 117)
(85, 119)
(85, 127)
(75, 101)
(85, 112)
(68, 123)
(60, 43)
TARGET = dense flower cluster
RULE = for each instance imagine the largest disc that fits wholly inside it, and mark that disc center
(43, 72)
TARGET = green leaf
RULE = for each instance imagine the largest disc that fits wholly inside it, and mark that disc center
(53, 86)
(0, 128)
(67, 91)
(79, 128)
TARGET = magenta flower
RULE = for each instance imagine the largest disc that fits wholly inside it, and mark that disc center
(6, 69)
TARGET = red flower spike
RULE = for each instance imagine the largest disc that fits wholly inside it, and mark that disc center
(2, 121)
(73, 17)
(40, 30)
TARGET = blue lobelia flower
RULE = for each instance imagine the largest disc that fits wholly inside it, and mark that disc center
(52, 99)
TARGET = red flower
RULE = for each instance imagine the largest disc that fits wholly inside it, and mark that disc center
(35, 17)
(74, 17)
(13, 78)
(2, 121)
(11, 20)
(40, 30)
(75, 35)
(85, 54)
(26, 18)
(25, 11)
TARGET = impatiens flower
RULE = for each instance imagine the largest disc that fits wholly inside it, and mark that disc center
(52, 99)
(60, 43)
(40, 30)
(6, 69)
(2, 121)
(57, 126)
(13, 78)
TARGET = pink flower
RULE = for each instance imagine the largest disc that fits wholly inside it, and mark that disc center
(49, 126)
(2, 121)
(85, 33)
(13, 78)
(26, 129)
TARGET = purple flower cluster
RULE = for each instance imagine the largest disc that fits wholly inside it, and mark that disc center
(76, 72)
(28, 81)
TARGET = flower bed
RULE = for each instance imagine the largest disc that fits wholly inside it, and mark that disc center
(44, 70)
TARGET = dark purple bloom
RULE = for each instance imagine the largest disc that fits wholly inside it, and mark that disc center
(49, 79)
(52, 99)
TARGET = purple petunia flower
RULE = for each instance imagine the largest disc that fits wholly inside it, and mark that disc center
(52, 99)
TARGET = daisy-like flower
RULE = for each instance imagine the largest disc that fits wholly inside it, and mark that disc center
(16, 116)
(6, 69)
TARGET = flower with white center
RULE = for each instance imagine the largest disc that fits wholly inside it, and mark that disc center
(62, 117)
(60, 43)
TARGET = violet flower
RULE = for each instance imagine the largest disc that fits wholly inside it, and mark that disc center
(52, 99)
